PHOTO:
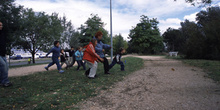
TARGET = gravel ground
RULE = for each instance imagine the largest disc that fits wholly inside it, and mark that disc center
(162, 84)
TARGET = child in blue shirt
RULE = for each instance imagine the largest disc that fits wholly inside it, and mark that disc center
(55, 57)
(79, 57)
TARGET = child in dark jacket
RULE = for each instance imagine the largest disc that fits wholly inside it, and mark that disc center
(117, 59)
(63, 59)
(56, 54)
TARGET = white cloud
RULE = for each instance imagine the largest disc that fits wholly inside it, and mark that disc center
(126, 13)
(170, 22)
(191, 17)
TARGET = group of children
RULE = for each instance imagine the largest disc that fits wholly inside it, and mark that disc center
(88, 54)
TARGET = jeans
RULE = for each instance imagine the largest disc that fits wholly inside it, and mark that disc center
(92, 69)
(120, 63)
(66, 62)
(80, 63)
(71, 61)
(3, 70)
(55, 61)
(106, 65)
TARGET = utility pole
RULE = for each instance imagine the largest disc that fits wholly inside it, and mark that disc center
(111, 29)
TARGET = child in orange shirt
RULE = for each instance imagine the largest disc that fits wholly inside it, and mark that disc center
(91, 59)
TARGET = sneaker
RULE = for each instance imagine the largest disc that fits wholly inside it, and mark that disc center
(46, 68)
(91, 77)
(7, 84)
(96, 76)
(61, 71)
(107, 73)
(86, 74)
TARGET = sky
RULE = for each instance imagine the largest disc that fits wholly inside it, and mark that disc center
(126, 13)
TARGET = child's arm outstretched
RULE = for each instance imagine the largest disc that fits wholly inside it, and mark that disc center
(50, 52)
(94, 54)
(106, 46)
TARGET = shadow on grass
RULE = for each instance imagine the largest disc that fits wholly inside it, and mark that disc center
(51, 90)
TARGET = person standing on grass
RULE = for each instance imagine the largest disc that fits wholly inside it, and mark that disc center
(91, 58)
(117, 59)
(56, 54)
(63, 59)
(3, 61)
(100, 49)
(79, 57)
(71, 58)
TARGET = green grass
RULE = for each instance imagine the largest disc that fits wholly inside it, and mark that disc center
(51, 90)
(212, 68)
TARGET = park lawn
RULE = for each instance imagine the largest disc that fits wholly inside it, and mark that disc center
(51, 90)
(211, 67)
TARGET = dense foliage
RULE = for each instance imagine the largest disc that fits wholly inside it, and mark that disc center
(38, 30)
(34, 31)
(145, 37)
(199, 39)
(119, 42)
(198, 2)
(89, 29)
(10, 17)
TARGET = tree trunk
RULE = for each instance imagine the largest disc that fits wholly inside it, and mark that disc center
(33, 57)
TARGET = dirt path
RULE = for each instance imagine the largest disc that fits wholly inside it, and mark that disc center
(22, 71)
(161, 85)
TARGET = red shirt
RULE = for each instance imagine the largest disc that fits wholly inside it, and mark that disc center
(89, 53)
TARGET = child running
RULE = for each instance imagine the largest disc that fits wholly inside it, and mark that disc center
(117, 59)
(56, 54)
(79, 57)
(63, 59)
(91, 58)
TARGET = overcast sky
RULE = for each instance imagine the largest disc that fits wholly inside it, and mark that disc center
(126, 13)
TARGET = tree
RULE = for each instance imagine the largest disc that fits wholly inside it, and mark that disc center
(91, 26)
(74, 40)
(69, 37)
(198, 40)
(208, 22)
(39, 31)
(192, 40)
(145, 37)
(119, 42)
(172, 38)
(10, 17)
(200, 2)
